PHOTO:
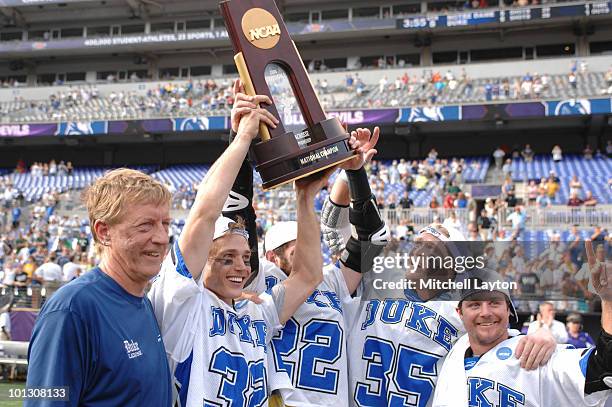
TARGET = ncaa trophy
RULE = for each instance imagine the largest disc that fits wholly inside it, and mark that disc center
(269, 64)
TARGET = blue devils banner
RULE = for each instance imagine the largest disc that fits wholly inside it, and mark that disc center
(429, 114)
(199, 123)
(569, 107)
(190, 124)
(578, 107)
(81, 128)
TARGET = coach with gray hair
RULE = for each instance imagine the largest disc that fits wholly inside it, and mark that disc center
(96, 342)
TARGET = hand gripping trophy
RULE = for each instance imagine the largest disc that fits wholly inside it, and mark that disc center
(269, 64)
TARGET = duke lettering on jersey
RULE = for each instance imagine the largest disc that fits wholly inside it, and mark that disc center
(320, 298)
(324, 299)
(253, 332)
(506, 397)
(393, 311)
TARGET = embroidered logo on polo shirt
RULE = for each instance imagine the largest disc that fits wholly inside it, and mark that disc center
(132, 349)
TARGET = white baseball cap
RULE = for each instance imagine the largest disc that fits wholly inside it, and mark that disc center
(279, 234)
(222, 226)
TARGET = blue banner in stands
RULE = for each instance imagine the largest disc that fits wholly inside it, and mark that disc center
(429, 114)
(572, 107)
(567, 107)
(81, 128)
(199, 123)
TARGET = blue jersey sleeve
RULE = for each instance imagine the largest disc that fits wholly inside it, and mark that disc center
(58, 356)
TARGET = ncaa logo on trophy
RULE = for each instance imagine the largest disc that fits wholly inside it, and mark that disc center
(269, 64)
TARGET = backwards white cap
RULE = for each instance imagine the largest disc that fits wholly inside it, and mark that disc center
(455, 236)
(279, 234)
(222, 226)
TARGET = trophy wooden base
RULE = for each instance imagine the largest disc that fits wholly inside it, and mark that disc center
(281, 160)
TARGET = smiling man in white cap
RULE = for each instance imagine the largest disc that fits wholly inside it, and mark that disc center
(279, 245)
(482, 358)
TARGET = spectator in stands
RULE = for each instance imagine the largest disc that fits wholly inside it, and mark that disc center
(49, 275)
(71, 269)
(573, 80)
(10, 268)
(16, 214)
(587, 153)
(449, 201)
(433, 203)
(406, 202)
(574, 200)
(472, 233)
(574, 244)
(518, 218)
(576, 336)
(461, 201)
(527, 153)
(570, 288)
(511, 199)
(499, 155)
(599, 234)
(529, 286)
(52, 168)
(550, 277)
(557, 153)
(421, 181)
(485, 225)
(551, 186)
(62, 169)
(575, 186)
(590, 200)
(5, 326)
(507, 168)
(452, 221)
(532, 193)
(546, 320)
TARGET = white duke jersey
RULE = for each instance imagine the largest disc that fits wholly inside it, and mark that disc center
(496, 379)
(396, 350)
(217, 353)
(311, 348)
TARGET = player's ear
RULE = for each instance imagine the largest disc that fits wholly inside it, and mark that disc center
(270, 256)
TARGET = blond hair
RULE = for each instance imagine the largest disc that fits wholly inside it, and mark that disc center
(108, 196)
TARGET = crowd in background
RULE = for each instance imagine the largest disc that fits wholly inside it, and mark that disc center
(195, 97)
(40, 249)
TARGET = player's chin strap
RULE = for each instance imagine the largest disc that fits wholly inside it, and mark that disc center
(369, 232)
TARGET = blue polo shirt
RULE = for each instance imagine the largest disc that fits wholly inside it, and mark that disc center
(101, 342)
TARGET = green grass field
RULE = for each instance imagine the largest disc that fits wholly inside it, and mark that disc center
(4, 393)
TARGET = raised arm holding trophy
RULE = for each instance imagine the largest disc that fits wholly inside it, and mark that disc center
(266, 58)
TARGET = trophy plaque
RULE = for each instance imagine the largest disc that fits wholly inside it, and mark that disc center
(269, 64)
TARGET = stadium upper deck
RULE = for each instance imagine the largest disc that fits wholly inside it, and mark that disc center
(51, 41)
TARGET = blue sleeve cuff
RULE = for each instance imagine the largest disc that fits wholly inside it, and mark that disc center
(179, 262)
